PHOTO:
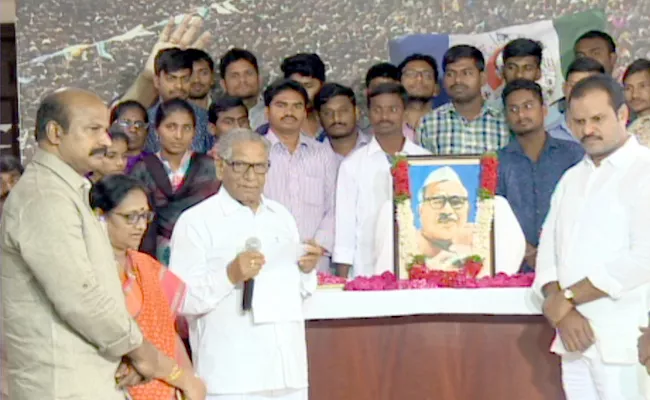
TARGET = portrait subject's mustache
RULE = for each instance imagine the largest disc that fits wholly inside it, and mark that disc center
(445, 218)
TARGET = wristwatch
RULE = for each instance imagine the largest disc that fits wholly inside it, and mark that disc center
(569, 295)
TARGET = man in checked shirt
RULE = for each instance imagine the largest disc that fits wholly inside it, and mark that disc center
(467, 125)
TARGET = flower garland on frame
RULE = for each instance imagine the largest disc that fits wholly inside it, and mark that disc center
(409, 259)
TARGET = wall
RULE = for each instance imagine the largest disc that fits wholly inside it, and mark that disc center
(350, 35)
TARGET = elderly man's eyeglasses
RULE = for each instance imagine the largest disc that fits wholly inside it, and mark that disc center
(135, 217)
(438, 202)
(242, 167)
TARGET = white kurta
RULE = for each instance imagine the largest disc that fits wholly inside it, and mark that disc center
(598, 227)
(364, 185)
(233, 352)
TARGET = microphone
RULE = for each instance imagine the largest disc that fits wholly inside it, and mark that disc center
(252, 244)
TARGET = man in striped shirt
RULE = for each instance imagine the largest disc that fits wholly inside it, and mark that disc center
(303, 171)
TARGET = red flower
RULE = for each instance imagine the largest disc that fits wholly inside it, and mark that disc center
(401, 178)
(489, 174)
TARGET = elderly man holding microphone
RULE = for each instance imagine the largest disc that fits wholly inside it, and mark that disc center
(247, 345)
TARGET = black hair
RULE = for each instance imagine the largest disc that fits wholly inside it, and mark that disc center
(585, 64)
(594, 34)
(170, 106)
(234, 55)
(51, 109)
(419, 57)
(196, 55)
(388, 88)
(523, 48)
(282, 85)
(331, 90)
(10, 163)
(522, 84)
(171, 60)
(117, 133)
(123, 106)
(305, 64)
(602, 82)
(110, 191)
(222, 104)
(454, 54)
(382, 70)
(638, 65)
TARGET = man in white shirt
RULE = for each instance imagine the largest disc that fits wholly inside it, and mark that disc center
(257, 354)
(593, 263)
(365, 183)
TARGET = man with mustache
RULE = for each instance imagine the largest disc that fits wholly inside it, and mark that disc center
(592, 264)
(467, 125)
(531, 165)
(173, 71)
(364, 184)
(240, 77)
(303, 171)
(445, 236)
(419, 75)
(337, 111)
(202, 79)
(69, 327)
(636, 81)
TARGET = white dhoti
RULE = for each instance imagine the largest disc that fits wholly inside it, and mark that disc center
(585, 378)
(290, 394)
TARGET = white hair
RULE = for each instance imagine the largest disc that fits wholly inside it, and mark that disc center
(443, 174)
(239, 135)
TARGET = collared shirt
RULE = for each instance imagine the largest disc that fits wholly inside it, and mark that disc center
(597, 228)
(640, 127)
(364, 185)
(560, 130)
(305, 182)
(444, 131)
(232, 353)
(555, 111)
(66, 326)
(256, 115)
(203, 139)
(362, 140)
(528, 185)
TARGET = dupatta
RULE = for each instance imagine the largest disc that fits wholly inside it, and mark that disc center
(153, 295)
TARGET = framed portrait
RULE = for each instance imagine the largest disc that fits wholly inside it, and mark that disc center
(442, 217)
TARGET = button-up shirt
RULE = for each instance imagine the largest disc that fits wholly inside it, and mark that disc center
(305, 182)
(597, 228)
(65, 323)
(528, 185)
(364, 185)
(362, 140)
(444, 131)
(232, 353)
(203, 139)
(256, 115)
(560, 130)
(640, 127)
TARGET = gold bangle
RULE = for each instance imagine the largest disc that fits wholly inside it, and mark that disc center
(175, 374)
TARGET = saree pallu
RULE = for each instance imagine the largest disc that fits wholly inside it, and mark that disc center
(200, 182)
(153, 295)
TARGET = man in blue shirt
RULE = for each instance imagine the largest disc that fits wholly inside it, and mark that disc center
(173, 69)
(531, 165)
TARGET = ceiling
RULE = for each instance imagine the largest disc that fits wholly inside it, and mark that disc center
(7, 11)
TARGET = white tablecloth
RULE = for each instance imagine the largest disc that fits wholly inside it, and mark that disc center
(338, 304)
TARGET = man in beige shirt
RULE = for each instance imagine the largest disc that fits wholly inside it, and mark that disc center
(66, 327)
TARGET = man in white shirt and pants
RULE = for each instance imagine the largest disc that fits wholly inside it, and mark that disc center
(261, 353)
(593, 263)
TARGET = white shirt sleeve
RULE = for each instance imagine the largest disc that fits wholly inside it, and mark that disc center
(546, 269)
(632, 269)
(346, 205)
(204, 274)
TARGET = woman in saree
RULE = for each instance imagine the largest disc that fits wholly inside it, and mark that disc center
(153, 294)
(176, 177)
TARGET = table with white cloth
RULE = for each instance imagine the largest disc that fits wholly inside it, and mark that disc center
(430, 344)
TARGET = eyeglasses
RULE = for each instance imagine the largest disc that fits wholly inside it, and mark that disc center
(438, 202)
(241, 167)
(125, 124)
(135, 217)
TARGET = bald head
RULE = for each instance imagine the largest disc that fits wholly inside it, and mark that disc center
(58, 105)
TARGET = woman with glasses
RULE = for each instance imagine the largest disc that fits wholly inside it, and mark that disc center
(153, 294)
(176, 177)
(131, 117)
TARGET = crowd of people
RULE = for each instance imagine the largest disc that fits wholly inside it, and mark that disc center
(138, 231)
